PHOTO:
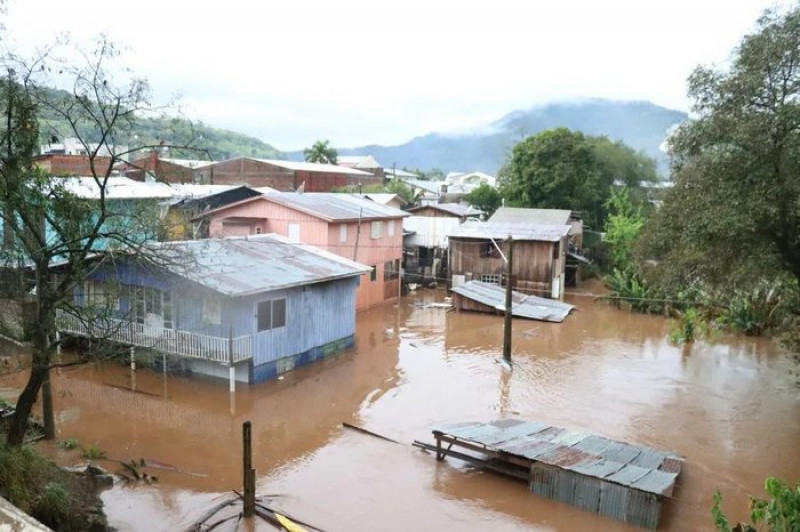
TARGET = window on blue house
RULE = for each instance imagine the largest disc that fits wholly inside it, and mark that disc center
(271, 315)
(148, 300)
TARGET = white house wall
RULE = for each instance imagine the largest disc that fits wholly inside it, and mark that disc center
(430, 231)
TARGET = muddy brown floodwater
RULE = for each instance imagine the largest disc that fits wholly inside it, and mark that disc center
(730, 407)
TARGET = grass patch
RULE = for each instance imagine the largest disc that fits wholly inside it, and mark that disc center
(59, 499)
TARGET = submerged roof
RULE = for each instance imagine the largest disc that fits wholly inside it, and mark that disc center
(634, 466)
(241, 266)
(517, 231)
(522, 305)
(534, 216)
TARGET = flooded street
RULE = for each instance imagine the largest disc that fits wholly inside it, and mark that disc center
(731, 408)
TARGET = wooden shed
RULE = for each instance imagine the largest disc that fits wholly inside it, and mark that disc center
(539, 257)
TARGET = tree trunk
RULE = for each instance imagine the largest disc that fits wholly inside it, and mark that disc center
(40, 374)
(19, 421)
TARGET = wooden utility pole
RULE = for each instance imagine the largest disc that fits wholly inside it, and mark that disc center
(507, 324)
(249, 476)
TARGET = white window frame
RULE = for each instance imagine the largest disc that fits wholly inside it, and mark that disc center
(390, 230)
(212, 310)
(342, 233)
(376, 229)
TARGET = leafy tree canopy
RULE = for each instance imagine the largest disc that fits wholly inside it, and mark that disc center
(733, 216)
(485, 198)
(563, 169)
(321, 152)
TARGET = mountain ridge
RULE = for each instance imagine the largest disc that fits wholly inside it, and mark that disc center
(641, 124)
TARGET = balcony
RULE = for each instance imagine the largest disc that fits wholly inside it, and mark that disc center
(227, 351)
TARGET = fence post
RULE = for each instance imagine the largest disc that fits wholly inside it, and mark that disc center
(231, 367)
(249, 474)
(133, 359)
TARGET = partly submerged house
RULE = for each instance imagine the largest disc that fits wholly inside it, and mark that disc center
(350, 226)
(425, 242)
(539, 257)
(246, 308)
(552, 217)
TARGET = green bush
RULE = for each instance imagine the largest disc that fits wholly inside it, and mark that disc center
(780, 513)
(627, 286)
(757, 311)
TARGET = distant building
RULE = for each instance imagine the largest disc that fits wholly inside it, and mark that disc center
(385, 198)
(347, 225)
(76, 146)
(367, 163)
(466, 182)
(164, 169)
(250, 308)
(286, 176)
(73, 165)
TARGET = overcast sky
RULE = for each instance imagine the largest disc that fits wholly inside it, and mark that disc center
(356, 72)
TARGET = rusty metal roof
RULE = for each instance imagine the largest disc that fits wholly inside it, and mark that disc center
(517, 231)
(241, 266)
(634, 466)
(522, 305)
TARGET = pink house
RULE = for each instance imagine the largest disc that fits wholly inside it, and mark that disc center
(350, 226)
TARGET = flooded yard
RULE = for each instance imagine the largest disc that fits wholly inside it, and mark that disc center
(730, 407)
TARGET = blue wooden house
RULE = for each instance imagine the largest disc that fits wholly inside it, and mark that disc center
(243, 308)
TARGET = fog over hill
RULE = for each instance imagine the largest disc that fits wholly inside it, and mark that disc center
(642, 125)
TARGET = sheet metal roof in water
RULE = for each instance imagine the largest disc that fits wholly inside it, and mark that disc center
(241, 266)
(522, 305)
(633, 466)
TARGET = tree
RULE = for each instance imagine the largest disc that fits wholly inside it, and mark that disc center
(48, 224)
(733, 215)
(321, 152)
(780, 513)
(486, 198)
(622, 227)
(563, 169)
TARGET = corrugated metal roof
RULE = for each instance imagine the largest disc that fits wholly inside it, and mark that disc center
(384, 198)
(240, 266)
(522, 305)
(313, 167)
(335, 207)
(189, 163)
(456, 209)
(115, 188)
(531, 216)
(517, 231)
(592, 456)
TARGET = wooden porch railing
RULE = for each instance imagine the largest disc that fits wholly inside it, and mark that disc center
(171, 341)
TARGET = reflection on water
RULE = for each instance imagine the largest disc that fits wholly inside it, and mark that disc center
(731, 408)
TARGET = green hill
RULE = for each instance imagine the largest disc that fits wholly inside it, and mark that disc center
(207, 141)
